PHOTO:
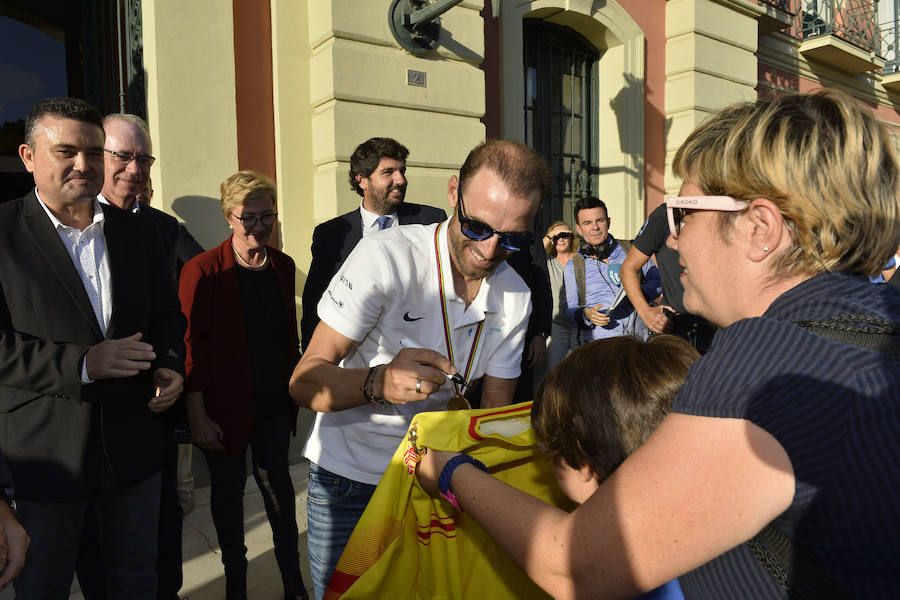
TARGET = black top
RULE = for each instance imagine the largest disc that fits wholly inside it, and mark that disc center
(835, 409)
(650, 240)
(266, 324)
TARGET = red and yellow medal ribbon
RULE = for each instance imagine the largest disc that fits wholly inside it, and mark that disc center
(446, 317)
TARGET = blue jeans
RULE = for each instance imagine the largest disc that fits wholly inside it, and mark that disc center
(334, 505)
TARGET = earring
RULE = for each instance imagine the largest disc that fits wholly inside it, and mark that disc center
(765, 248)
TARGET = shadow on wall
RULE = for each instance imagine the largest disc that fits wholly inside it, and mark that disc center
(202, 216)
(655, 153)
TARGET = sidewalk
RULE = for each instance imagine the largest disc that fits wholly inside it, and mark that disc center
(203, 576)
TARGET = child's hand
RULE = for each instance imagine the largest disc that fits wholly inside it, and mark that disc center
(430, 467)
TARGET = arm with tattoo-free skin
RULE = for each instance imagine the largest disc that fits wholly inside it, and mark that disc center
(320, 384)
(652, 316)
(652, 520)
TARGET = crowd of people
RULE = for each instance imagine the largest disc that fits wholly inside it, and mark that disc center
(722, 401)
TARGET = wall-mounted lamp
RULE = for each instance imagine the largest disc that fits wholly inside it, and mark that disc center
(416, 24)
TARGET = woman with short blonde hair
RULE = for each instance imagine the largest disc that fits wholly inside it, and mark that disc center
(785, 433)
(242, 345)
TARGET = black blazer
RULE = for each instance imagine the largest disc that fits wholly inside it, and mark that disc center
(331, 245)
(54, 431)
(180, 244)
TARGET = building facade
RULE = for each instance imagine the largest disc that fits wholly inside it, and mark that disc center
(605, 89)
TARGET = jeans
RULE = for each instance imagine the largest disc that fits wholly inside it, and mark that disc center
(562, 341)
(334, 505)
(269, 444)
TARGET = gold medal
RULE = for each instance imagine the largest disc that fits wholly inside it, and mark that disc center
(458, 402)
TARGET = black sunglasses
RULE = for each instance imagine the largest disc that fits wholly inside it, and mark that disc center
(565, 235)
(478, 231)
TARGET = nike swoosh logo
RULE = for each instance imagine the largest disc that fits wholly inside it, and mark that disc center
(406, 317)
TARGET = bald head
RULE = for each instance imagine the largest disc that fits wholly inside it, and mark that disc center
(127, 159)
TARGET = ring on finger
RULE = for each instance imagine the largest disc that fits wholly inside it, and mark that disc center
(418, 386)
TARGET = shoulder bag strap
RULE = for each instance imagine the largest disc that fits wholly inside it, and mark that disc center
(578, 263)
(796, 573)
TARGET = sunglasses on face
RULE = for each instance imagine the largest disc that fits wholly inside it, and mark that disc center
(565, 235)
(478, 231)
(678, 206)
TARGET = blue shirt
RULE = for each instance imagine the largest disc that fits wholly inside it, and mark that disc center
(601, 284)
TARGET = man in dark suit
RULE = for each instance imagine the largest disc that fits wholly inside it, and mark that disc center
(127, 161)
(378, 174)
(91, 352)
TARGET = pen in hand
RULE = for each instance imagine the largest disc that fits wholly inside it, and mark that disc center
(456, 378)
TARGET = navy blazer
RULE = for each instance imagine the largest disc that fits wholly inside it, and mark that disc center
(56, 433)
(331, 245)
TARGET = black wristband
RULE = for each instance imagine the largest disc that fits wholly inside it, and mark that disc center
(447, 473)
(367, 391)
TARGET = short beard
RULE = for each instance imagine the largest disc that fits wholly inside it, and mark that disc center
(383, 205)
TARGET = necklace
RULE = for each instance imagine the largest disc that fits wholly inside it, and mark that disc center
(457, 402)
(248, 265)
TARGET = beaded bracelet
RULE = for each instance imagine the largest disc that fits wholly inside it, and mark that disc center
(447, 473)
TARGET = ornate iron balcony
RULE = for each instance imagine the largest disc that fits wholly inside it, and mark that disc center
(779, 4)
(890, 33)
(854, 21)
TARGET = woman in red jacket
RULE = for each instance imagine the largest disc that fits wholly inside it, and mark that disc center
(241, 348)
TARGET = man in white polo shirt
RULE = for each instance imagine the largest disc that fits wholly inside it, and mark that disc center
(409, 305)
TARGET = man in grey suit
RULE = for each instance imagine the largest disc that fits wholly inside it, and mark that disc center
(91, 352)
(378, 174)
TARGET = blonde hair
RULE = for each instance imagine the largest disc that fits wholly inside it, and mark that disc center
(550, 245)
(242, 186)
(829, 166)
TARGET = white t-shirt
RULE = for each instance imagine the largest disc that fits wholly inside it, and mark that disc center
(387, 291)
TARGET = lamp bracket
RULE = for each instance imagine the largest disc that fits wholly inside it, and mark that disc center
(416, 24)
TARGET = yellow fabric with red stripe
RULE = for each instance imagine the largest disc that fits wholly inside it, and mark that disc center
(410, 545)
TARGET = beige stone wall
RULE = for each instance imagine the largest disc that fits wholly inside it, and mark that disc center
(189, 65)
(710, 63)
(358, 90)
(293, 129)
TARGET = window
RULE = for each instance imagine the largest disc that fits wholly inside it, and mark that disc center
(561, 114)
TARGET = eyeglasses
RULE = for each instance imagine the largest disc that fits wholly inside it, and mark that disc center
(249, 222)
(478, 231)
(563, 235)
(145, 160)
(677, 207)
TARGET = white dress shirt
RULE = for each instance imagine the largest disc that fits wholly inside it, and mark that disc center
(87, 249)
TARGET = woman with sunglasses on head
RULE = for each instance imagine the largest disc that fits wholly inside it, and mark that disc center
(242, 345)
(777, 466)
(559, 243)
